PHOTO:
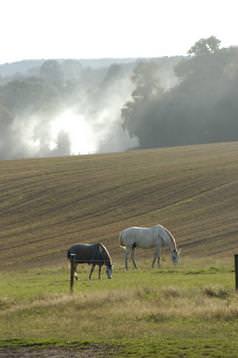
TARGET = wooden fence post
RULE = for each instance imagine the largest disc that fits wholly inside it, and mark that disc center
(72, 268)
(236, 271)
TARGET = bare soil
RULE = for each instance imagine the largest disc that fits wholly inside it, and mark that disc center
(91, 351)
(49, 204)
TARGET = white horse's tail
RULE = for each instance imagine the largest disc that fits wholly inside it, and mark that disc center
(122, 245)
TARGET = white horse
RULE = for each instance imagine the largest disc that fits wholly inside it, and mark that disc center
(147, 237)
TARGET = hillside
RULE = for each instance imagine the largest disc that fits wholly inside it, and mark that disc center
(48, 204)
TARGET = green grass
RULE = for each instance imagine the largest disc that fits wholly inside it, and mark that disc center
(188, 311)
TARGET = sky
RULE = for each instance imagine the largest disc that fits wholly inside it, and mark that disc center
(76, 29)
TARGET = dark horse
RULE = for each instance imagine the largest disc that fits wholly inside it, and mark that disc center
(91, 254)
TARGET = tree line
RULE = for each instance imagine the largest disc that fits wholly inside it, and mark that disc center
(202, 107)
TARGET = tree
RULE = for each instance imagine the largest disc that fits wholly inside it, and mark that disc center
(146, 79)
(201, 108)
(206, 46)
(51, 71)
(140, 109)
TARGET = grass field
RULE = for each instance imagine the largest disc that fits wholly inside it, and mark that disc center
(187, 311)
(190, 310)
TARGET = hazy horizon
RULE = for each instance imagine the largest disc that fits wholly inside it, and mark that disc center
(52, 108)
(126, 29)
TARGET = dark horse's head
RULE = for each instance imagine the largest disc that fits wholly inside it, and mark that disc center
(106, 259)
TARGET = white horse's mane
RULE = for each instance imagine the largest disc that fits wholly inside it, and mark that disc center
(172, 238)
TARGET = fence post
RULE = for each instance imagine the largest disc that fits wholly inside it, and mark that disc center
(236, 270)
(72, 268)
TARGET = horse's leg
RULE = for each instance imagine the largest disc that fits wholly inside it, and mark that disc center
(99, 272)
(133, 257)
(154, 259)
(127, 252)
(158, 261)
(91, 271)
(156, 256)
(75, 272)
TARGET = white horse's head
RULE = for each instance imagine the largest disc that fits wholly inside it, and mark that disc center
(175, 256)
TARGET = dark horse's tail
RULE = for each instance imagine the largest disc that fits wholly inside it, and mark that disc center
(70, 253)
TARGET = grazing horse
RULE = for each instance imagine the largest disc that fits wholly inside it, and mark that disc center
(152, 237)
(91, 254)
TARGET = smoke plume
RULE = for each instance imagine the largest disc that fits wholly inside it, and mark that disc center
(57, 115)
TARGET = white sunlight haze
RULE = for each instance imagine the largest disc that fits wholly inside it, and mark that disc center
(81, 134)
(95, 29)
(32, 29)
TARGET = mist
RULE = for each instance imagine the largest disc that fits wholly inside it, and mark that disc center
(64, 109)
(61, 108)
